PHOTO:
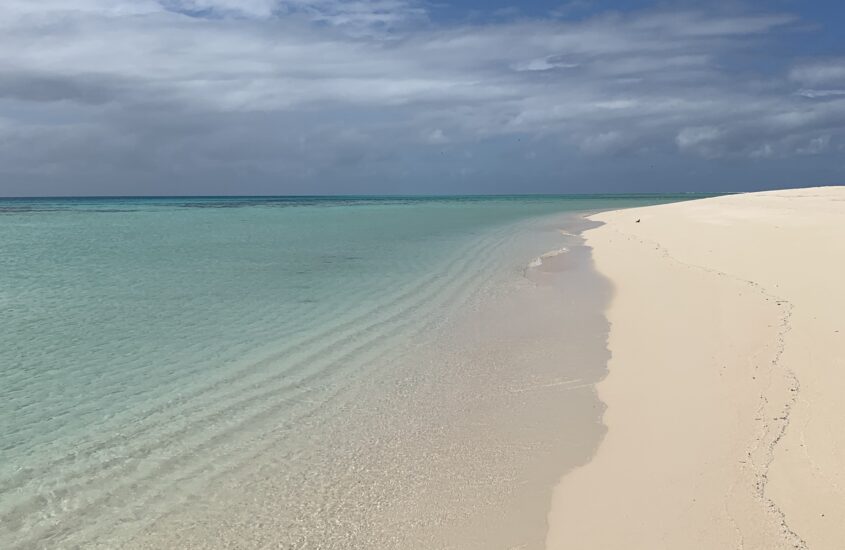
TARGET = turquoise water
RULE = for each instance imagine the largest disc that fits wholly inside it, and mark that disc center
(149, 348)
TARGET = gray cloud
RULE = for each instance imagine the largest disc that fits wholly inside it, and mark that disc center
(820, 73)
(317, 95)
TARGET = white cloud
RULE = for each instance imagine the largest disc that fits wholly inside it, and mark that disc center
(544, 64)
(820, 73)
(247, 8)
(815, 94)
(188, 75)
(698, 139)
(435, 136)
(693, 136)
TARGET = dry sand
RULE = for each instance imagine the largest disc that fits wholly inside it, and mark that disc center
(726, 387)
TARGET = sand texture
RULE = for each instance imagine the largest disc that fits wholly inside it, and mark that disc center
(726, 388)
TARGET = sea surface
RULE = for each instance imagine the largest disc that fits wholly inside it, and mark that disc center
(273, 372)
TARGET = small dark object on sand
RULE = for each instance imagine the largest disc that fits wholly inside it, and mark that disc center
(638, 221)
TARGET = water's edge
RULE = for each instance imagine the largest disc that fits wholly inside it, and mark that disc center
(430, 400)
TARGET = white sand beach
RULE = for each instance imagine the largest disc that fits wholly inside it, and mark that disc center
(725, 409)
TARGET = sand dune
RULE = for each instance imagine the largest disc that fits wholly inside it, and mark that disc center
(725, 408)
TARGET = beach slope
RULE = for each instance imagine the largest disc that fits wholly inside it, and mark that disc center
(725, 408)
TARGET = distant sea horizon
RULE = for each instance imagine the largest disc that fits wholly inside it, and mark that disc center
(372, 195)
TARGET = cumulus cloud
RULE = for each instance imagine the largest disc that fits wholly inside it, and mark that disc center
(296, 91)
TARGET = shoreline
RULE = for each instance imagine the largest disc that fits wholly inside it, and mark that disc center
(724, 427)
(418, 389)
(497, 406)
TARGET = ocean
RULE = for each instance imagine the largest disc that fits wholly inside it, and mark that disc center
(285, 372)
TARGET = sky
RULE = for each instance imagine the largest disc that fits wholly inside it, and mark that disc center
(234, 97)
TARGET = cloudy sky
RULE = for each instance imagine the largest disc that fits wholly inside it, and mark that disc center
(139, 97)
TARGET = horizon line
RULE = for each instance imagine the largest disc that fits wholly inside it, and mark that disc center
(366, 195)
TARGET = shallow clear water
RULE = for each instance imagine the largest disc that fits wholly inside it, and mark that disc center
(150, 349)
